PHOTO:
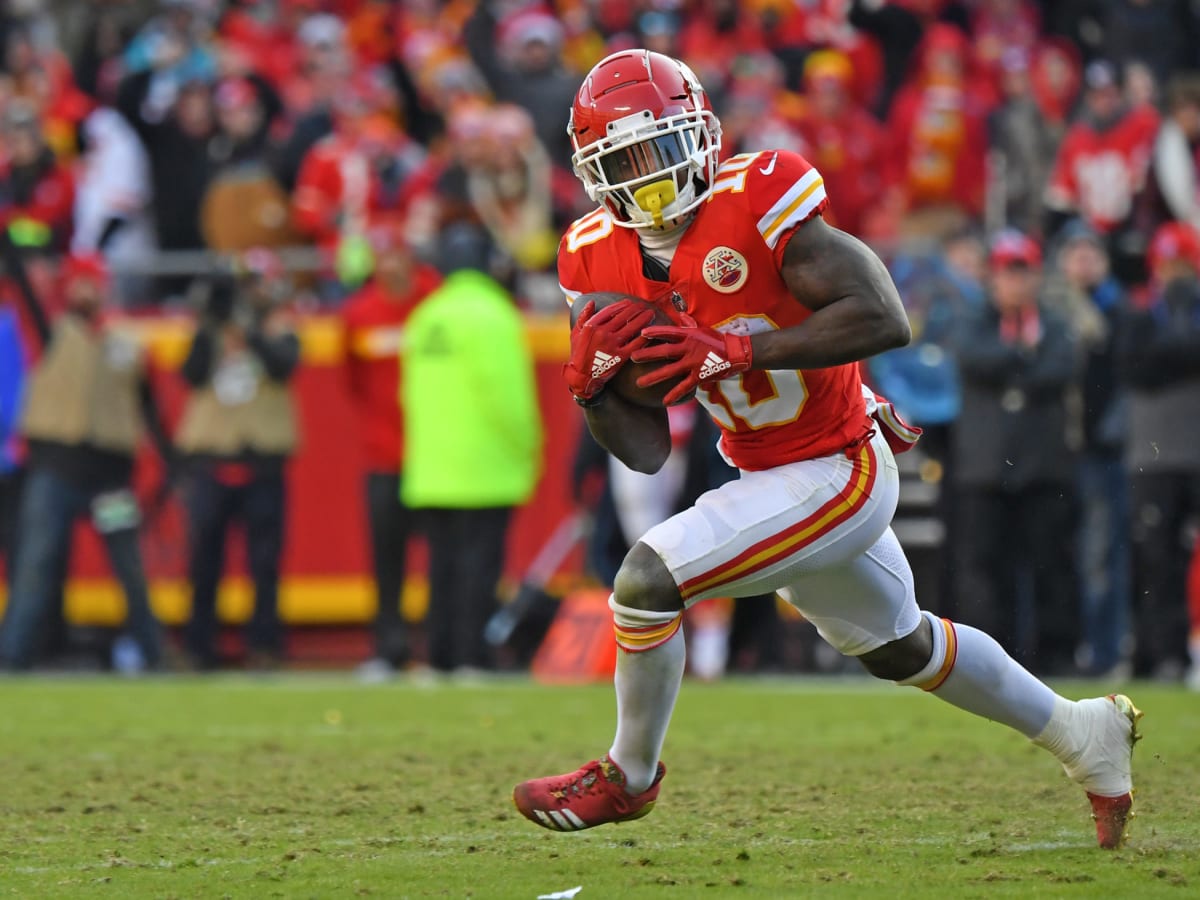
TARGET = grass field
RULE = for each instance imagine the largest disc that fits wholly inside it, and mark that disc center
(318, 787)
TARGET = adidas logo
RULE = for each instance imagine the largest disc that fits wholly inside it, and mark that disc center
(602, 362)
(713, 365)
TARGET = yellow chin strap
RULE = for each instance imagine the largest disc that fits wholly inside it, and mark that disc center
(654, 196)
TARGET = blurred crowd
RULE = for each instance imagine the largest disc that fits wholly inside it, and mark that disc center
(1030, 172)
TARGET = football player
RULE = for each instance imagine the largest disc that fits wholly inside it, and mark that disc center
(773, 310)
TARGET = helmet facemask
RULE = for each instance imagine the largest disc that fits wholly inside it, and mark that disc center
(650, 171)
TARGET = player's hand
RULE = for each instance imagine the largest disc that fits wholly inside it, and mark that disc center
(601, 342)
(692, 353)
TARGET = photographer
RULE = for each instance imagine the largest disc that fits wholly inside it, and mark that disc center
(238, 430)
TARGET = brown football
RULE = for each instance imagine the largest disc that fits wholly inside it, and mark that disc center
(625, 381)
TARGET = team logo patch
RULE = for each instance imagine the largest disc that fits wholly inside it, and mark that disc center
(725, 269)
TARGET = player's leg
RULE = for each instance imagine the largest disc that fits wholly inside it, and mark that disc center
(878, 622)
(749, 536)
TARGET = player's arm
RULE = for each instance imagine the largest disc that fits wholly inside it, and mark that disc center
(638, 436)
(857, 311)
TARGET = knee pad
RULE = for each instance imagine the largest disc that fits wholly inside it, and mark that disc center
(941, 661)
(638, 630)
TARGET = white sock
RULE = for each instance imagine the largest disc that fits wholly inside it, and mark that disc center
(647, 683)
(968, 669)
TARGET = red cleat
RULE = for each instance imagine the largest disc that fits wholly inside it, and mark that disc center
(594, 795)
(1112, 816)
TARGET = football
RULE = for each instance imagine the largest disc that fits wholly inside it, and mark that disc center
(625, 381)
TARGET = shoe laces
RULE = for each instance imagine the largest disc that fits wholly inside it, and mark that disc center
(591, 779)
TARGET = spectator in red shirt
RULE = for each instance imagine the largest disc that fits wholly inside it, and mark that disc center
(939, 135)
(1101, 169)
(845, 142)
(373, 322)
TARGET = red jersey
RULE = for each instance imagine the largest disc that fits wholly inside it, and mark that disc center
(726, 273)
(1099, 173)
(373, 326)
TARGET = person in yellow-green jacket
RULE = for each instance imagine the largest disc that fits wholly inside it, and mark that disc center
(472, 441)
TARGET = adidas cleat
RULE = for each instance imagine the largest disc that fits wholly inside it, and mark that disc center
(593, 795)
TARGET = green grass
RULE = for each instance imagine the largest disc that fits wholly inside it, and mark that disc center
(318, 787)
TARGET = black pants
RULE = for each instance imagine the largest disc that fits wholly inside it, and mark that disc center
(466, 555)
(1162, 503)
(391, 524)
(1015, 572)
(212, 508)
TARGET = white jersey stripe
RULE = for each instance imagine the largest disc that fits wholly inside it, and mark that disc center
(794, 206)
(571, 296)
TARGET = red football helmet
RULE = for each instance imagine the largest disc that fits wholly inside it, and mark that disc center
(646, 139)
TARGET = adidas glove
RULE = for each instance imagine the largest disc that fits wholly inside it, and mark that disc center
(693, 354)
(601, 342)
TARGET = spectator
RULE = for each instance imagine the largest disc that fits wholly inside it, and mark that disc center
(1023, 141)
(374, 320)
(845, 142)
(1161, 356)
(1160, 34)
(472, 442)
(1176, 166)
(81, 422)
(174, 46)
(244, 205)
(113, 201)
(1093, 302)
(1101, 166)
(938, 128)
(506, 184)
(237, 432)
(363, 175)
(36, 191)
(521, 59)
(1014, 467)
(176, 132)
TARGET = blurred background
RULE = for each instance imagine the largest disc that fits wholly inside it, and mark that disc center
(280, 331)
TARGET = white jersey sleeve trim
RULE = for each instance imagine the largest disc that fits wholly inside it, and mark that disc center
(571, 296)
(800, 201)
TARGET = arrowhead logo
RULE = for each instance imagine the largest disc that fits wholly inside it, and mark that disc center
(603, 362)
(713, 366)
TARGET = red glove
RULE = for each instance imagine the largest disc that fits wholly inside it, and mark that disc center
(601, 342)
(692, 353)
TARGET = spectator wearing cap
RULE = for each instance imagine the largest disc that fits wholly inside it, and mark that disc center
(88, 398)
(521, 58)
(1176, 164)
(845, 142)
(1160, 353)
(1094, 303)
(939, 137)
(1023, 142)
(472, 441)
(37, 192)
(373, 322)
(1100, 170)
(1014, 467)
(237, 432)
